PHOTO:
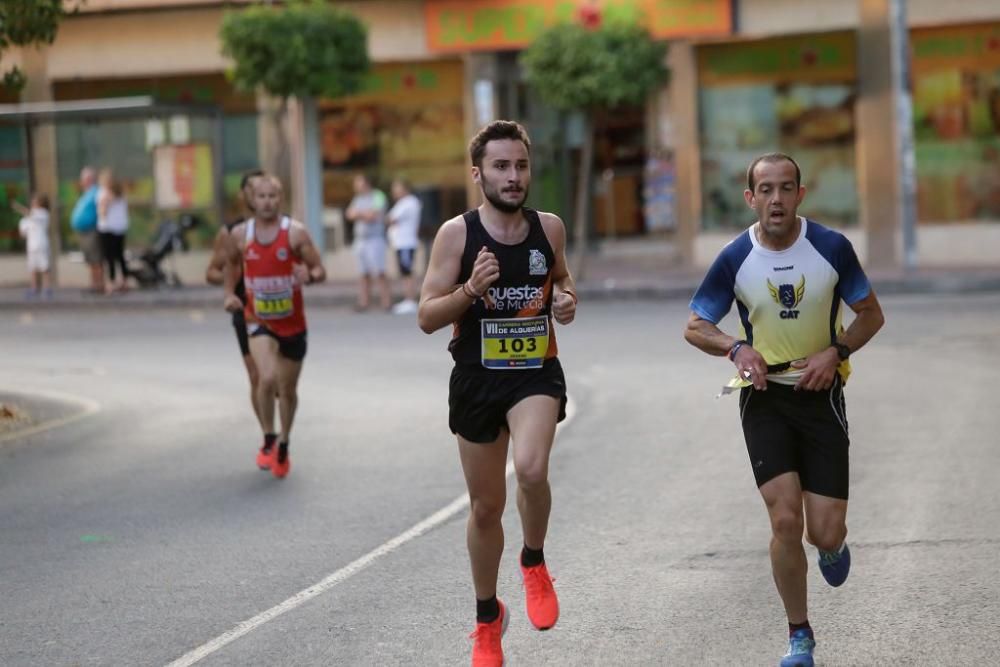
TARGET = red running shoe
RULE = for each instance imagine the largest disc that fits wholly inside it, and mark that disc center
(540, 597)
(265, 457)
(282, 462)
(486, 649)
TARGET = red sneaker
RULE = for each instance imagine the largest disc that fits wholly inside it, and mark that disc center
(265, 457)
(540, 597)
(282, 462)
(486, 649)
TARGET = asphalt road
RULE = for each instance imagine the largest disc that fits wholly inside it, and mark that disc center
(141, 532)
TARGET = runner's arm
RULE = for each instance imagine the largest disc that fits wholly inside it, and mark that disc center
(867, 323)
(303, 246)
(217, 263)
(564, 298)
(233, 253)
(821, 368)
(442, 302)
(708, 337)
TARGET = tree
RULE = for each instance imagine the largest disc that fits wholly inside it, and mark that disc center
(588, 66)
(306, 49)
(25, 23)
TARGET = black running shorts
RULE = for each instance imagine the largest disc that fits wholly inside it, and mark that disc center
(240, 325)
(404, 257)
(292, 348)
(479, 399)
(798, 431)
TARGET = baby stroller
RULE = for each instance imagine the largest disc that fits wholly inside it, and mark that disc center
(169, 238)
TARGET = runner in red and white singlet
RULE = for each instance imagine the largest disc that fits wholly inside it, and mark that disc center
(277, 257)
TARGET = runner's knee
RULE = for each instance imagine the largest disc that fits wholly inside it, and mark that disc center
(786, 525)
(288, 390)
(827, 536)
(532, 474)
(268, 381)
(487, 511)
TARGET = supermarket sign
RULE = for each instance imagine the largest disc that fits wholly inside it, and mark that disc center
(965, 47)
(816, 58)
(491, 25)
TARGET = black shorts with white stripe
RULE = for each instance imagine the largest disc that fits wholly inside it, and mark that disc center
(798, 431)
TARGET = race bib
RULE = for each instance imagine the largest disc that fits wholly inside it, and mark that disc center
(510, 344)
(273, 305)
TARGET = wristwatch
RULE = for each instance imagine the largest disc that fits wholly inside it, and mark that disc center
(842, 351)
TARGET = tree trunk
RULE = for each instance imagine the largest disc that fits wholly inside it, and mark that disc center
(282, 167)
(583, 198)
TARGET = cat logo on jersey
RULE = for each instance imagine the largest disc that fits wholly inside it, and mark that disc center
(536, 263)
(788, 296)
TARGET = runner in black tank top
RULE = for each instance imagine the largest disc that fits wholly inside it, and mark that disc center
(524, 290)
(498, 275)
(214, 276)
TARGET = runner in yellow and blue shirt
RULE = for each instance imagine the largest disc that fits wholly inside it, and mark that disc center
(788, 276)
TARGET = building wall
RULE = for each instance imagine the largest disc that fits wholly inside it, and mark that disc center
(177, 40)
(774, 17)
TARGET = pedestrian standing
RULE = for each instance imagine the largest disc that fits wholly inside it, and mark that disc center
(404, 222)
(112, 226)
(34, 229)
(83, 220)
(367, 212)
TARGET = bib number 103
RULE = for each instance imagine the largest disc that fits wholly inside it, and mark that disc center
(510, 344)
(518, 345)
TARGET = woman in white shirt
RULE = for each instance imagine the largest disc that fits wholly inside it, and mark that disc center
(112, 224)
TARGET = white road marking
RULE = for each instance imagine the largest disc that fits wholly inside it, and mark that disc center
(344, 573)
(88, 407)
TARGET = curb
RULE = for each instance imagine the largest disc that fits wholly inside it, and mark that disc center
(39, 411)
(343, 296)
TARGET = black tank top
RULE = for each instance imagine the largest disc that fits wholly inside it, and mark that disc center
(241, 289)
(524, 290)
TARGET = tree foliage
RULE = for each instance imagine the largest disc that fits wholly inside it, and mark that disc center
(27, 22)
(574, 66)
(299, 50)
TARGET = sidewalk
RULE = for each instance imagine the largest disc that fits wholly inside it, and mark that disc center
(625, 269)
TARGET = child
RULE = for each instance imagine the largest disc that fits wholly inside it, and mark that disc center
(34, 227)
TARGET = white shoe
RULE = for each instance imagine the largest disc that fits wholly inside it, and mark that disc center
(405, 307)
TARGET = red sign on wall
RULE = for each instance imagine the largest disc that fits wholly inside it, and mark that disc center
(490, 25)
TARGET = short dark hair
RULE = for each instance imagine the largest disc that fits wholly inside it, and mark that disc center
(42, 199)
(772, 157)
(498, 129)
(247, 175)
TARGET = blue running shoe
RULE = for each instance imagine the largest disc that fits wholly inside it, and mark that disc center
(835, 566)
(800, 650)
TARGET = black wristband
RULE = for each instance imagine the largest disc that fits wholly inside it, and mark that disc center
(736, 348)
(842, 351)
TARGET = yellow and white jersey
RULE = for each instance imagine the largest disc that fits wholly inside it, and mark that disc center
(788, 300)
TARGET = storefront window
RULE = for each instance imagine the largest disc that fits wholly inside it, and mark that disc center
(124, 146)
(408, 123)
(13, 183)
(792, 95)
(956, 108)
(128, 147)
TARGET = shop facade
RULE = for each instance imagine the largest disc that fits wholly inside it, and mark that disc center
(747, 76)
